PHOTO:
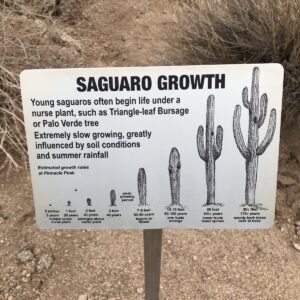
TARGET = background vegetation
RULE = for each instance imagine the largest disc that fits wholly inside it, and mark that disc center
(247, 31)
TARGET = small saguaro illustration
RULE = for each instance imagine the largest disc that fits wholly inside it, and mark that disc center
(212, 149)
(89, 202)
(174, 175)
(257, 114)
(113, 198)
(142, 186)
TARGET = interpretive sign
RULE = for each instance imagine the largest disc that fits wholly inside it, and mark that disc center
(154, 147)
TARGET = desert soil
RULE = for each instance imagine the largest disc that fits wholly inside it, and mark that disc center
(196, 264)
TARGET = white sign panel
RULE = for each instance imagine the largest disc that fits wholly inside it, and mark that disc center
(154, 147)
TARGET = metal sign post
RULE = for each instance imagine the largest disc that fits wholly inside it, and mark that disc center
(152, 259)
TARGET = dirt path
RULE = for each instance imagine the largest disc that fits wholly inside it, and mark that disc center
(196, 264)
(127, 34)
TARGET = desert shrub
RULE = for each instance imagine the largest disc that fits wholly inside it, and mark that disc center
(12, 137)
(242, 31)
(33, 8)
(30, 38)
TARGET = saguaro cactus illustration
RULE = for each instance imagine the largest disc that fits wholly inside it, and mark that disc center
(212, 150)
(142, 186)
(257, 115)
(113, 198)
(174, 174)
(89, 202)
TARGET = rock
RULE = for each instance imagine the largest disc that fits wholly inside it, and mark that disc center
(139, 290)
(30, 266)
(58, 36)
(285, 181)
(297, 223)
(37, 251)
(83, 297)
(25, 279)
(295, 155)
(297, 245)
(36, 283)
(25, 255)
(45, 262)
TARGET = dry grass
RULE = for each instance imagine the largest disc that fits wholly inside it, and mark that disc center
(33, 8)
(12, 137)
(29, 38)
(247, 31)
(15, 52)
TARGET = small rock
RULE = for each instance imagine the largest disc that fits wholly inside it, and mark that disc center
(58, 233)
(285, 181)
(25, 279)
(44, 263)
(140, 290)
(36, 283)
(25, 256)
(297, 223)
(164, 12)
(297, 245)
(10, 298)
(195, 258)
(139, 47)
(30, 266)
(83, 297)
(295, 155)
(37, 251)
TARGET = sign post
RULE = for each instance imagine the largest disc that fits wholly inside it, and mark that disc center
(152, 262)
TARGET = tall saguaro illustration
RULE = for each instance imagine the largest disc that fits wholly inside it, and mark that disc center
(174, 175)
(142, 186)
(257, 114)
(212, 149)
